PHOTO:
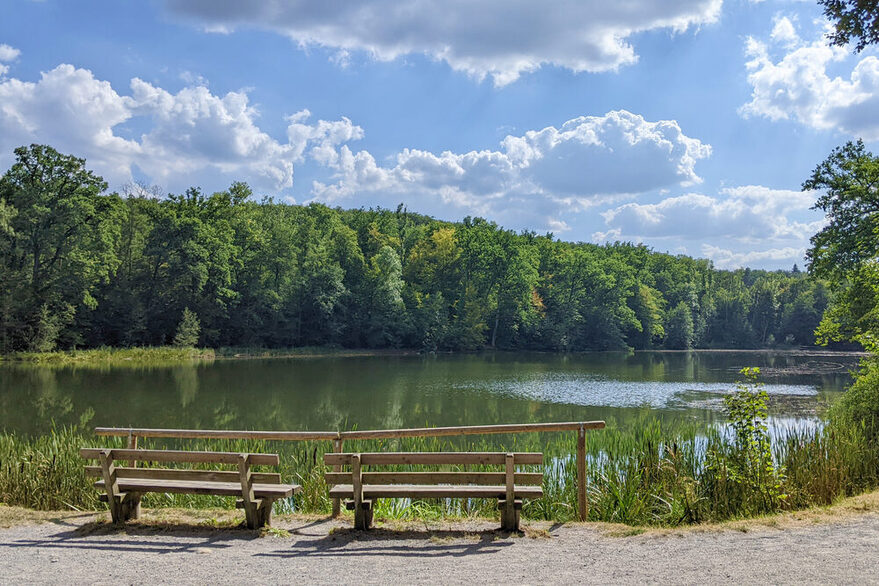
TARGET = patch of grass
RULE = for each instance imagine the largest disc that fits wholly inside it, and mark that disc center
(274, 532)
(536, 533)
(114, 356)
(223, 523)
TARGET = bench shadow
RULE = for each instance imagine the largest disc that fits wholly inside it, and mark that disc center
(346, 542)
(199, 537)
(314, 538)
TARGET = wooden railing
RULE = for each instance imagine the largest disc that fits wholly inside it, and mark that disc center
(338, 438)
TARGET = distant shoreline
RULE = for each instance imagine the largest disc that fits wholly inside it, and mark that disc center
(167, 355)
(789, 351)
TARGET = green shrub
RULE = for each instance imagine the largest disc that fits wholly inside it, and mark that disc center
(859, 405)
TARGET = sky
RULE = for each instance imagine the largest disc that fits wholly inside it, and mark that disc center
(687, 125)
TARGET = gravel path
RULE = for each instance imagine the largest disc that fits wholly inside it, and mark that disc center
(78, 550)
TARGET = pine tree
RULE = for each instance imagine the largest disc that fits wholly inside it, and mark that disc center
(188, 330)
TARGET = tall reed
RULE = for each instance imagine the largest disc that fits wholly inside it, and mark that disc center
(649, 473)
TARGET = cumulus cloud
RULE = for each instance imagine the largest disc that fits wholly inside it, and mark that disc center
(797, 85)
(7, 55)
(585, 161)
(190, 135)
(724, 258)
(71, 110)
(751, 213)
(768, 225)
(195, 137)
(497, 38)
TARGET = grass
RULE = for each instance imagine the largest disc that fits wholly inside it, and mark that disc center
(106, 355)
(162, 355)
(645, 475)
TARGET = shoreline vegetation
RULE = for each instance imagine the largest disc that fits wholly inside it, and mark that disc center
(174, 354)
(648, 473)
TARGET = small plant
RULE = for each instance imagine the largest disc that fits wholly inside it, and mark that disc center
(750, 464)
(275, 532)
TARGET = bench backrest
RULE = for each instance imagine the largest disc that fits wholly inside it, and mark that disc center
(242, 460)
(485, 478)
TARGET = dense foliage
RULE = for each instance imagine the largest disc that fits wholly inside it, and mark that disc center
(853, 21)
(81, 268)
(846, 252)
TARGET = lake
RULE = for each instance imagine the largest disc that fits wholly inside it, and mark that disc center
(332, 393)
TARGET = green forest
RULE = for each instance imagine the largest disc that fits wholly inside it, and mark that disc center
(81, 267)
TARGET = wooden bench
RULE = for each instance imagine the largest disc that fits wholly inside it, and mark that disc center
(125, 486)
(508, 486)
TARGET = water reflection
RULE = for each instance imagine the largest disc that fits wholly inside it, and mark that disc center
(389, 392)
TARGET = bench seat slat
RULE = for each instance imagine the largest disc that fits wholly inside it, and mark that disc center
(483, 478)
(433, 491)
(272, 491)
(185, 474)
(182, 456)
(433, 458)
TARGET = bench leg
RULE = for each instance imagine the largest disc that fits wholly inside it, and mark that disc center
(124, 507)
(363, 516)
(253, 515)
(259, 514)
(509, 516)
(113, 502)
(264, 513)
(131, 506)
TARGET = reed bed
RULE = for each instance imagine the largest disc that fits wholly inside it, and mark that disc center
(115, 356)
(652, 473)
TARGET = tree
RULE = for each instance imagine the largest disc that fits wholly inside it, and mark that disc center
(57, 244)
(679, 328)
(846, 250)
(849, 183)
(853, 20)
(387, 312)
(188, 330)
(82, 267)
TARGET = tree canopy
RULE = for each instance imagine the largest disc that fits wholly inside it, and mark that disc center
(846, 250)
(85, 268)
(853, 21)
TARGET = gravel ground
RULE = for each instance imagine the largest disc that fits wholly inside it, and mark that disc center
(77, 550)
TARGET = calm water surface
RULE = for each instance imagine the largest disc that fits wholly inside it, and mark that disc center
(413, 391)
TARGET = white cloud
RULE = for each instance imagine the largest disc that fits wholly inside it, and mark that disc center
(497, 38)
(539, 175)
(71, 110)
(194, 137)
(7, 54)
(766, 226)
(724, 258)
(191, 137)
(751, 213)
(798, 86)
(785, 33)
(195, 130)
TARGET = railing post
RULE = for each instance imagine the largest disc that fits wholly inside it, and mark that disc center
(582, 503)
(132, 445)
(337, 448)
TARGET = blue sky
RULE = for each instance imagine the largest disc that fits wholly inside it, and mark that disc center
(688, 125)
